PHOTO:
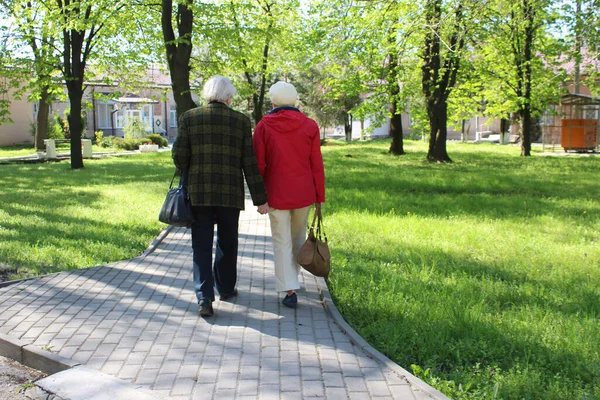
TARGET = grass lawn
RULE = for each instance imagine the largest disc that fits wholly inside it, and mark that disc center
(481, 276)
(16, 151)
(53, 218)
(21, 151)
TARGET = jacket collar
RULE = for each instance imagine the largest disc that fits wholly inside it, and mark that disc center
(276, 110)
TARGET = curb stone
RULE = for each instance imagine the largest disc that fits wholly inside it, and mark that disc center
(33, 357)
(370, 350)
(67, 379)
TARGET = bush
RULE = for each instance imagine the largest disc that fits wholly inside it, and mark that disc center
(135, 128)
(98, 137)
(107, 142)
(157, 139)
(56, 128)
(129, 143)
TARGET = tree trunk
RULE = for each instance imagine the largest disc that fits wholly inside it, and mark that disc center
(76, 127)
(257, 112)
(439, 76)
(348, 126)
(396, 132)
(179, 51)
(74, 64)
(438, 132)
(526, 130)
(41, 128)
(528, 54)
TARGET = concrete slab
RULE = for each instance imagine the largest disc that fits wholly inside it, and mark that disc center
(81, 383)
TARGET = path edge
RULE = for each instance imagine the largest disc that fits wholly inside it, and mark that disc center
(337, 317)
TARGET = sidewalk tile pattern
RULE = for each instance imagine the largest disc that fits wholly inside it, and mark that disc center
(138, 320)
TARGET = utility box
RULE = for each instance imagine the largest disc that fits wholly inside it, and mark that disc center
(579, 134)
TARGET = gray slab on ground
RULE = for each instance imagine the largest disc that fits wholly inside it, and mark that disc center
(82, 383)
(137, 320)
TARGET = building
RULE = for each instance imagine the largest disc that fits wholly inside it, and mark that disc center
(107, 108)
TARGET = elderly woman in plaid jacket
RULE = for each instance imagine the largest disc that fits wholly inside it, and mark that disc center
(214, 144)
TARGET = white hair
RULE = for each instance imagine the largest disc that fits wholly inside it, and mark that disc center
(218, 88)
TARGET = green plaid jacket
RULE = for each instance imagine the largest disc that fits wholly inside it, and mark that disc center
(215, 143)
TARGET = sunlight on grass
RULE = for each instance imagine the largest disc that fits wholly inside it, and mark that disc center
(53, 218)
(480, 276)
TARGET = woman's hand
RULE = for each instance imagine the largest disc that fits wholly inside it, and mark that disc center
(263, 209)
(318, 207)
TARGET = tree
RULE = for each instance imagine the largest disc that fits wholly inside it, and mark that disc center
(350, 34)
(443, 44)
(252, 42)
(83, 24)
(38, 31)
(517, 63)
(582, 20)
(179, 50)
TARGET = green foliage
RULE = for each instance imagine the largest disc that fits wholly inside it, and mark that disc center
(130, 144)
(107, 142)
(58, 127)
(98, 137)
(135, 128)
(481, 276)
(157, 139)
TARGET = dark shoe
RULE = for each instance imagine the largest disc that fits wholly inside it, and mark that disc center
(290, 300)
(205, 308)
(226, 296)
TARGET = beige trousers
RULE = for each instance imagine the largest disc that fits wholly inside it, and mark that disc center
(288, 229)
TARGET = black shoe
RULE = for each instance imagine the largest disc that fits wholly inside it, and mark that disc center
(290, 300)
(205, 308)
(226, 296)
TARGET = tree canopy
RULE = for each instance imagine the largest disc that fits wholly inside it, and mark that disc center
(440, 61)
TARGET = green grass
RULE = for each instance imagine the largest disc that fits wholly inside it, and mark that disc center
(16, 151)
(53, 218)
(21, 151)
(481, 276)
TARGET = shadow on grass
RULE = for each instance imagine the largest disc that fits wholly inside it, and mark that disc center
(494, 187)
(40, 235)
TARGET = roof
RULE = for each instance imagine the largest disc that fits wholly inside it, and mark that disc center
(580, 99)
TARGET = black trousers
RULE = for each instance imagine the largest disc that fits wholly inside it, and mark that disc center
(223, 273)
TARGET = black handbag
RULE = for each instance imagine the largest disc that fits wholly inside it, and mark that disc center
(177, 208)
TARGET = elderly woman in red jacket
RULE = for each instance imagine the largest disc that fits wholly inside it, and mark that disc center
(287, 147)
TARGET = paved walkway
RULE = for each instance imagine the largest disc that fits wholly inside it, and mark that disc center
(137, 320)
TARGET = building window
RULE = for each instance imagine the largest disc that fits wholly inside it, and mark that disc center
(173, 117)
(104, 115)
(120, 118)
(147, 116)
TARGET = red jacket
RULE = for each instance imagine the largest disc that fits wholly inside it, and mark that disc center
(288, 149)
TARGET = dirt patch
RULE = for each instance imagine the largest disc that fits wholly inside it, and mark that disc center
(6, 273)
(15, 378)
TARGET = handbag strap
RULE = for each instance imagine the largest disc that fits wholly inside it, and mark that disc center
(320, 227)
(183, 179)
(172, 179)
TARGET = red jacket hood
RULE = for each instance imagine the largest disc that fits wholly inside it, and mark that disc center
(284, 121)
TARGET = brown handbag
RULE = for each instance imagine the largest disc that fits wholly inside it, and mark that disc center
(314, 254)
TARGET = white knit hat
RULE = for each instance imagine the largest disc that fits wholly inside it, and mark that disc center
(283, 94)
